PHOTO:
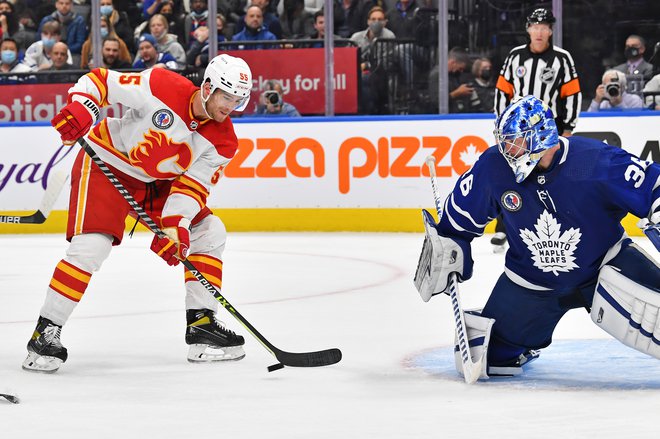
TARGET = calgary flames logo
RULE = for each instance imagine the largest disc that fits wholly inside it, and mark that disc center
(159, 157)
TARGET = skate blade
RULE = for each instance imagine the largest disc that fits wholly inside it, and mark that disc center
(41, 363)
(203, 353)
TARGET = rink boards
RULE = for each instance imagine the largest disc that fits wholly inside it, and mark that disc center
(315, 174)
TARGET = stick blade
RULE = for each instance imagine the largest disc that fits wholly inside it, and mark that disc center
(310, 359)
(10, 397)
(55, 185)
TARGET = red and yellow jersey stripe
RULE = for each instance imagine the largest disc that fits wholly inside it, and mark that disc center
(192, 188)
(70, 281)
(209, 266)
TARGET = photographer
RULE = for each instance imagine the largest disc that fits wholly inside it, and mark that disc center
(271, 101)
(612, 93)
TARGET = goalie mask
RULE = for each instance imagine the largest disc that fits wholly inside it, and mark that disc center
(231, 75)
(524, 132)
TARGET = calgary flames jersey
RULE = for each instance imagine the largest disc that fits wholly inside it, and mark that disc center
(159, 138)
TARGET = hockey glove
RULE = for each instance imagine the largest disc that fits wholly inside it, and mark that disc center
(174, 246)
(440, 257)
(75, 120)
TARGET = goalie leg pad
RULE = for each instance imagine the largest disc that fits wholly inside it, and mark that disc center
(478, 335)
(627, 311)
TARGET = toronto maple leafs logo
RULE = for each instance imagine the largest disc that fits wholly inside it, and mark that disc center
(552, 250)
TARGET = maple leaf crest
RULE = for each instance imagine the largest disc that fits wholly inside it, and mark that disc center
(552, 250)
(470, 155)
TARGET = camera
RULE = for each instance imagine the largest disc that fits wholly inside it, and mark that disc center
(273, 97)
(613, 89)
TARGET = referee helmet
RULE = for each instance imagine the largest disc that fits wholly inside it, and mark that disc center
(541, 15)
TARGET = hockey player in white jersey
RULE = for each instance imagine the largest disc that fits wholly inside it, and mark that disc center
(167, 150)
(562, 199)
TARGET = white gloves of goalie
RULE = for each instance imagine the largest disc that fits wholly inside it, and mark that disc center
(440, 257)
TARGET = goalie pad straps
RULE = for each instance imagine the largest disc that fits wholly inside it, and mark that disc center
(478, 334)
(627, 311)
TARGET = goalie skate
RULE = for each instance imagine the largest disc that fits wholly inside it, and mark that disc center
(209, 340)
(45, 351)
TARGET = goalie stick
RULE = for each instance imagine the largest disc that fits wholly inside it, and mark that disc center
(55, 185)
(471, 370)
(293, 359)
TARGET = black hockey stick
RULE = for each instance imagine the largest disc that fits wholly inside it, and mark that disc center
(11, 398)
(294, 359)
(55, 185)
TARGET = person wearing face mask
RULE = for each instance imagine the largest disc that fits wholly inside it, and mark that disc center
(26, 34)
(463, 97)
(198, 17)
(120, 22)
(72, 25)
(8, 21)
(484, 86)
(37, 56)
(9, 59)
(373, 97)
(107, 31)
(175, 20)
(635, 64)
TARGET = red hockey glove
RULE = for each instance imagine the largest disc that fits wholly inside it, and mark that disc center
(74, 121)
(174, 247)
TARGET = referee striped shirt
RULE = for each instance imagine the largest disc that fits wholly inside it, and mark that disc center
(550, 76)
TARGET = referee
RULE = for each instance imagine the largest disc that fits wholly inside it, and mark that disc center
(545, 71)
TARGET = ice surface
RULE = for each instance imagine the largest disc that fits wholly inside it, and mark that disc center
(127, 374)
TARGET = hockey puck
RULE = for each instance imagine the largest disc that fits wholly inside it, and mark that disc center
(275, 367)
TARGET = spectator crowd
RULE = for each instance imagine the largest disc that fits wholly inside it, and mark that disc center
(47, 35)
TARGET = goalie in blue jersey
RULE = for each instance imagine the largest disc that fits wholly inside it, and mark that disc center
(562, 199)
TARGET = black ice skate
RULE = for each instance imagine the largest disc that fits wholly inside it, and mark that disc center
(499, 242)
(515, 367)
(45, 350)
(209, 340)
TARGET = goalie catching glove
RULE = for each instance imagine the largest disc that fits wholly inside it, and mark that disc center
(174, 246)
(440, 257)
(75, 119)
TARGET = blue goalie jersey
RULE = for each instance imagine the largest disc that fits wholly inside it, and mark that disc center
(561, 222)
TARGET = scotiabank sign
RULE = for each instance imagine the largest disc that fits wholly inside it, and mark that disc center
(37, 102)
(301, 72)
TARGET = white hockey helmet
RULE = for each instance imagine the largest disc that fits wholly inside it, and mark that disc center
(229, 74)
